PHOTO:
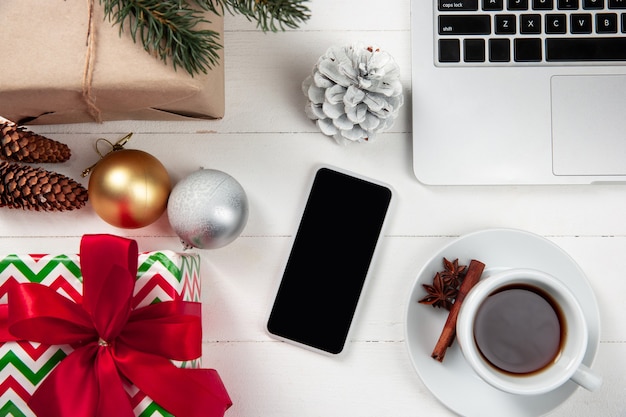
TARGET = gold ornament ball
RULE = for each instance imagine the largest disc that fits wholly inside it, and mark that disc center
(129, 188)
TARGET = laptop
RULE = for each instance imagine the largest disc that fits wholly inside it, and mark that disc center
(519, 91)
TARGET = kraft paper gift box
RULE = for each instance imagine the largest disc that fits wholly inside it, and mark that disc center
(161, 276)
(49, 74)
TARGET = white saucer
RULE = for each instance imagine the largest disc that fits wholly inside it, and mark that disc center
(453, 382)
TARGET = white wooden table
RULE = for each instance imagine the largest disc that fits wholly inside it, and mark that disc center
(267, 143)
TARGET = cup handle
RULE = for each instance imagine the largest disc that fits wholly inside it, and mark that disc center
(586, 378)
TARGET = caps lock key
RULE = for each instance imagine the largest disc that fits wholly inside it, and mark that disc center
(456, 5)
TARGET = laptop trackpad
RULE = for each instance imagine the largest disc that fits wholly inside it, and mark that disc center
(589, 125)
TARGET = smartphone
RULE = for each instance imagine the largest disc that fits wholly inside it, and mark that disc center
(329, 260)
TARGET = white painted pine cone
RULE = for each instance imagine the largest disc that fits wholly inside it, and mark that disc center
(354, 92)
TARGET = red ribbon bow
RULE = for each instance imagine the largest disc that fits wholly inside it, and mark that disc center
(113, 343)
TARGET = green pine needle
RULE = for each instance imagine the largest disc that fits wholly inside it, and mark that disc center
(167, 29)
(271, 15)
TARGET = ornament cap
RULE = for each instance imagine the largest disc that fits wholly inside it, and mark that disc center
(119, 145)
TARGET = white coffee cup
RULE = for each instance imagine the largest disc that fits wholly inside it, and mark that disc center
(566, 365)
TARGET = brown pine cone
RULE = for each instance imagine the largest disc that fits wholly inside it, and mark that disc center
(20, 145)
(25, 187)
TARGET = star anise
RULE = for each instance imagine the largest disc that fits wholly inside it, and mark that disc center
(439, 294)
(453, 273)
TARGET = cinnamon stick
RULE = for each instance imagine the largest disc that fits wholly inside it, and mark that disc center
(448, 333)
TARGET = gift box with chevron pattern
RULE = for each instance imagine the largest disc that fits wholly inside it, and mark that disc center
(161, 276)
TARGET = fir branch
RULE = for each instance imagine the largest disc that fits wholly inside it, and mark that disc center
(167, 29)
(271, 15)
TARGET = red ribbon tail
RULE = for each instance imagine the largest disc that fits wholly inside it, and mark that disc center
(86, 383)
(214, 387)
(189, 392)
(112, 397)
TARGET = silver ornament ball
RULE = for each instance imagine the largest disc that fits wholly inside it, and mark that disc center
(208, 209)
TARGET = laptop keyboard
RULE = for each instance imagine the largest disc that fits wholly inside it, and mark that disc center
(530, 32)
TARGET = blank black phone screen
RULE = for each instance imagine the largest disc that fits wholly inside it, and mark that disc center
(329, 260)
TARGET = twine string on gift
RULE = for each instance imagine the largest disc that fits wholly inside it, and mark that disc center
(117, 146)
(90, 99)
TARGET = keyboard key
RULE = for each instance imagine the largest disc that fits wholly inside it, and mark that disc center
(449, 50)
(556, 24)
(585, 49)
(464, 25)
(517, 4)
(580, 23)
(617, 4)
(527, 47)
(474, 50)
(499, 50)
(527, 50)
(505, 24)
(567, 4)
(593, 4)
(606, 23)
(458, 5)
(543, 4)
(493, 5)
(530, 24)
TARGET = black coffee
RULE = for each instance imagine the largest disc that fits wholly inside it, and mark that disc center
(518, 330)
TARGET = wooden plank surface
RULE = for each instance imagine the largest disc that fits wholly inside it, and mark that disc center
(266, 142)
